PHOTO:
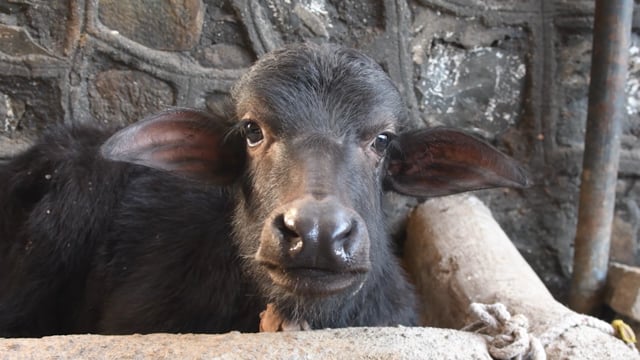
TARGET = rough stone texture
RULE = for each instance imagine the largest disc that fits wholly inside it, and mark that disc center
(17, 42)
(225, 56)
(513, 72)
(171, 25)
(12, 111)
(353, 343)
(454, 93)
(22, 114)
(117, 96)
(45, 23)
(469, 75)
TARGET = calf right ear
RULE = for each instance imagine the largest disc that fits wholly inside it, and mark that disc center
(185, 142)
(441, 161)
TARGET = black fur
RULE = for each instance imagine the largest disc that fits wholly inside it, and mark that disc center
(96, 246)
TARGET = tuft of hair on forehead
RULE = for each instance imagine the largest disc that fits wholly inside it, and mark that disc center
(304, 79)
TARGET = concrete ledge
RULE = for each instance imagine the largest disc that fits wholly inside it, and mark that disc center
(353, 343)
(579, 343)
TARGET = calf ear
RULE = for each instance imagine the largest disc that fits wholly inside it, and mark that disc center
(185, 142)
(441, 161)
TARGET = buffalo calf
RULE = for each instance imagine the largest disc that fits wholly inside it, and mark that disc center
(188, 222)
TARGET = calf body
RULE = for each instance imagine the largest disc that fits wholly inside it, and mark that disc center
(107, 247)
(184, 222)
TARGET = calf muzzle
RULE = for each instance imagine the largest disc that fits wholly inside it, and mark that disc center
(315, 246)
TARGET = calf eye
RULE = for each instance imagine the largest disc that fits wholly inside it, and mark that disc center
(381, 143)
(253, 133)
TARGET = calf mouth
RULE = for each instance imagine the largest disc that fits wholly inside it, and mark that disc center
(309, 281)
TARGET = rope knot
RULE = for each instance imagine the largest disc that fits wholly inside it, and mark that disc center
(508, 335)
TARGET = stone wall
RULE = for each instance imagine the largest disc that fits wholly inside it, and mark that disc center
(514, 72)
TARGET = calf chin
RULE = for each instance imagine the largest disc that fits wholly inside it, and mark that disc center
(315, 283)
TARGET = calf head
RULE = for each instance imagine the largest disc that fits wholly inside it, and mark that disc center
(319, 131)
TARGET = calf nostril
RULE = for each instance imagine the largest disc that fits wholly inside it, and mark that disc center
(286, 228)
(343, 230)
(344, 238)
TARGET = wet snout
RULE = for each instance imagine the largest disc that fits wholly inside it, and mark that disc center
(313, 245)
(319, 234)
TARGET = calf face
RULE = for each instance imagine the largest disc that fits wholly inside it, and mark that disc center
(318, 123)
(320, 131)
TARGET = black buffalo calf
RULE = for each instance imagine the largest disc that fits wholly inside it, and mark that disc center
(184, 222)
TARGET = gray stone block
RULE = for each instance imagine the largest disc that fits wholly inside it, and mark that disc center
(624, 293)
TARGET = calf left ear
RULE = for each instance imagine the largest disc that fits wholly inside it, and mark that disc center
(185, 142)
(441, 161)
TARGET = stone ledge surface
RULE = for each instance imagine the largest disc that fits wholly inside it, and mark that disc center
(351, 343)
(580, 343)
